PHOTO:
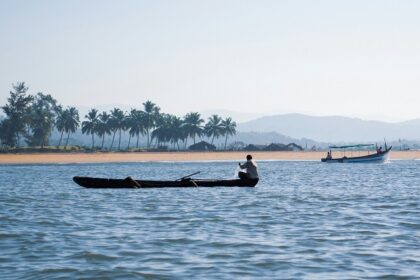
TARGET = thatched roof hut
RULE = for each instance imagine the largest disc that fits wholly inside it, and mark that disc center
(202, 146)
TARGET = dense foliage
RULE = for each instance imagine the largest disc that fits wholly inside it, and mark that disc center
(31, 119)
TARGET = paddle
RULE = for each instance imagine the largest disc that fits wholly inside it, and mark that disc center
(187, 176)
(189, 179)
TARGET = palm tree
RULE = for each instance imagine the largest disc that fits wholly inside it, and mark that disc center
(90, 126)
(192, 124)
(169, 130)
(176, 131)
(72, 122)
(151, 112)
(182, 132)
(137, 125)
(129, 123)
(103, 126)
(116, 124)
(228, 128)
(161, 124)
(158, 132)
(60, 123)
(213, 127)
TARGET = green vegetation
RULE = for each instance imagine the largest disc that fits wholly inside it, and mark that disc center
(193, 125)
(17, 115)
(67, 121)
(30, 120)
(91, 125)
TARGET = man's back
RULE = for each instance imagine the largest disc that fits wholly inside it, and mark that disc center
(251, 169)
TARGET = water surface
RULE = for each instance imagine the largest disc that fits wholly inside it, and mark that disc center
(304, 220)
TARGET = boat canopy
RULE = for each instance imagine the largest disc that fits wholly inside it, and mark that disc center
(351, 146)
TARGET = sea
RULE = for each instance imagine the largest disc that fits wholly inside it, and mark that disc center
(304, 220)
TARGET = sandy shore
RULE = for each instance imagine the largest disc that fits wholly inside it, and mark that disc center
(175, 156)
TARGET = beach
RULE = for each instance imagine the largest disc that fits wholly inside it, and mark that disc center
(98, 157)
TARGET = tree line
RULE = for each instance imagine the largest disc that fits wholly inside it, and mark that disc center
(33, 118)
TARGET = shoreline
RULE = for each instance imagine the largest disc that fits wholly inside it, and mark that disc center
(114, 157)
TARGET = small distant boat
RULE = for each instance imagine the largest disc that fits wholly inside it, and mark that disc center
(378, 156)
(104, 183)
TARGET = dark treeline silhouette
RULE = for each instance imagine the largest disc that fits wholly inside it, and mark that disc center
(31, 119)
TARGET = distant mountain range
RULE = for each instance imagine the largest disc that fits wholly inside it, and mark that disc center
(266, 138)
(333, 128)
(236, 116)
(301, 129)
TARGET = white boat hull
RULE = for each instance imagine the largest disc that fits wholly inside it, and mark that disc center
(379, 157)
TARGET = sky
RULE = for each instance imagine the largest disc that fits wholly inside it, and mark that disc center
(351, 58)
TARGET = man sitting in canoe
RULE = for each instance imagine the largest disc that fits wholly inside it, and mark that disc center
(251, 169)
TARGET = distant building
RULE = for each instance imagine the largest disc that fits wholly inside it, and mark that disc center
(274, 147)
(252, 147)
(202, 146)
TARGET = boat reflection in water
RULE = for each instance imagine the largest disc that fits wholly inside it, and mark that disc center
(379, 156)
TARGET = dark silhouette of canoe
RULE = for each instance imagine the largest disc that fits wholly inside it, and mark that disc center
(104, 183)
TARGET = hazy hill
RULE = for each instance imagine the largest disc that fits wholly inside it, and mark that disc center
(333, 128)
(236, 116)
(265, 138)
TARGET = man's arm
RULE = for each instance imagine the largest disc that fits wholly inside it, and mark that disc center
(243, 166)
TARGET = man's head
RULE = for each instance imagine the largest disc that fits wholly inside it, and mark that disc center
(248, 157)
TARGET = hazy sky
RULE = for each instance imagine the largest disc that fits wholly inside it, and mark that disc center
(353, 58)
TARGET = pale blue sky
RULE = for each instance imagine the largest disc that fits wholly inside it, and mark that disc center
(353, 58)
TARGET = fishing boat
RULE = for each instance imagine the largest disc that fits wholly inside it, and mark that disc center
(378, 156)
(184, 182)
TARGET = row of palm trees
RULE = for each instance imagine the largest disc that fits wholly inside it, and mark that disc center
(160, 128)
(67, 121)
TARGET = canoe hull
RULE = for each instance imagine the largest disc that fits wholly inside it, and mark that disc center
(378, 158)
(104, 183)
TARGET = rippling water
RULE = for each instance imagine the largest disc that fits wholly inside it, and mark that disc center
(303, 220)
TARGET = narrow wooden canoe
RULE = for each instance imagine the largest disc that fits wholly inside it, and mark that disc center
(89, 182)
